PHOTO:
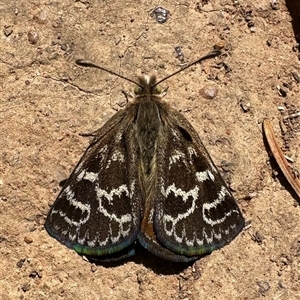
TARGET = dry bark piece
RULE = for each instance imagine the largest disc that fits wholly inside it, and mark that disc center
(279, 156)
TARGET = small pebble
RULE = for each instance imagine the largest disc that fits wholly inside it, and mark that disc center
(21, 262)
(41, 17)
(282, 91)
(8, 30)
(93, 268)
(28, 240)
(245, 106)
(160, 14)
(296, 76)
(264, 286)
(25, 287)
(209, 92)
(32, 36)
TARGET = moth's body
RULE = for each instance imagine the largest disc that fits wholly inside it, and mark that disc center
(146, 177)
(148, 131)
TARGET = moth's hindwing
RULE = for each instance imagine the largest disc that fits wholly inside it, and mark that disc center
(195, 212)
(98, 211)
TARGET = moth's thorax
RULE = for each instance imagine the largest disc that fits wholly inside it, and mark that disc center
(147, 129)
(148, 113)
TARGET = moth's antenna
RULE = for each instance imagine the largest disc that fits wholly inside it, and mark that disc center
(215, 52)
(84, 63)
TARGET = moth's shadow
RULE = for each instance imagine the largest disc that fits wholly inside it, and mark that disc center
(143, 257)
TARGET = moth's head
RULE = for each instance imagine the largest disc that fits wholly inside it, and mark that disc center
(147, 86)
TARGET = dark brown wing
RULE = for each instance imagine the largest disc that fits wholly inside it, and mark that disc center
(98, 210)
(195, 213)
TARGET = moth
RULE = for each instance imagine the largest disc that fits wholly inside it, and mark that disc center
(146, 178)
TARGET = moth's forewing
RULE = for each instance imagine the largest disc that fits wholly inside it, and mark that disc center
(195, 213)
(98, 212)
